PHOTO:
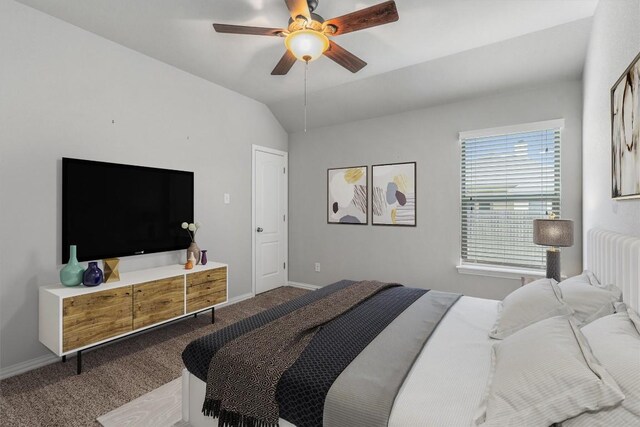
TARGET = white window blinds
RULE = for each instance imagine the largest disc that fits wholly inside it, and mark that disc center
(509, 177)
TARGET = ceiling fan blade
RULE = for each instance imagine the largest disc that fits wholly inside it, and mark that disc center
(298, 8)
(284, 65)
(241, 29)
(345, 58)
(379, 14)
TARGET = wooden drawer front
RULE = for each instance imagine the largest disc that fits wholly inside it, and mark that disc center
(205, 295)
(91, 318)
(156, 301)
(219, 275)
(206, 288)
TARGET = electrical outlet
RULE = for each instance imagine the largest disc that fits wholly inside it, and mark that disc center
(227, 198)
(317, 267)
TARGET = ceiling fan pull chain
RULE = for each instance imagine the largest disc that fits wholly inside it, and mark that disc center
(306, 68)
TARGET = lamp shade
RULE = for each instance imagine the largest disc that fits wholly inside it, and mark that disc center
(307, 45)
(553, 232)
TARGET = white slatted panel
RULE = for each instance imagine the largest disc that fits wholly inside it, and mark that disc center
(507, 181)
(615, 258)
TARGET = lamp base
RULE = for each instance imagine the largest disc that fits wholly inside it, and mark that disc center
(553, 264)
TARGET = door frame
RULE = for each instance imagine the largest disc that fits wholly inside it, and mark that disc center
(254, 149)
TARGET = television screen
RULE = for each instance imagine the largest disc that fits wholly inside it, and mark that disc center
(111, 210)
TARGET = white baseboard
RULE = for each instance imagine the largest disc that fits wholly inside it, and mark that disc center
(304, 286)
(22, 367)
(47, 359)
(237, 299)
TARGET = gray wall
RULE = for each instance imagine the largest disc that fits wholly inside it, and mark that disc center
(60, 89)
(425, 256)
(615, 42)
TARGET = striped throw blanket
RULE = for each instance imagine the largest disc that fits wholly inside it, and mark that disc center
(244, 374)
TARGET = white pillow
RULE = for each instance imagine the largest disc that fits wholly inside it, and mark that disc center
(528, 304)
(596, 282)
(588, 298)
(621, 307)
(634, 318)
(585, 277)
(615, 342)
(545, 374)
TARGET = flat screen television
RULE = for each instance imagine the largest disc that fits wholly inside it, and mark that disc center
(113, 210)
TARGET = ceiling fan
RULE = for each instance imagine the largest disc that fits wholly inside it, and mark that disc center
(307, 35)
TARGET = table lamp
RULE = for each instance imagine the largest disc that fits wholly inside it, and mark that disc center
(555, 233)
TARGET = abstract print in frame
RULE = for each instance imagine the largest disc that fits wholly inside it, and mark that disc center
(394, 194)
(347, 196)
(625, 134)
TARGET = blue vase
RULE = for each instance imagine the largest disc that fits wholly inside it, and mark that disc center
(71, 274)
(93, 276)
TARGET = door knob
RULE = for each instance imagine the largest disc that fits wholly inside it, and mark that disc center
(259, 230)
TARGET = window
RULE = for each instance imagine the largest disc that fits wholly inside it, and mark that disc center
(509, 177)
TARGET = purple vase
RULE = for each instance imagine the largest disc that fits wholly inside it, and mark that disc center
(93, 275)
(203, 257)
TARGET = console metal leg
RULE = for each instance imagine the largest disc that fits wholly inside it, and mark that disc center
(213, 315)
(64, 359)
(79, 360)
(195, 315)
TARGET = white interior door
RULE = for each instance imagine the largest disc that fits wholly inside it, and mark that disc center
(270, 219)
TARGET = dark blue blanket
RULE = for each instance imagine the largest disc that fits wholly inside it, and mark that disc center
(303, 387)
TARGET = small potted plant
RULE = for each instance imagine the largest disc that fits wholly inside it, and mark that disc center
(192, 229)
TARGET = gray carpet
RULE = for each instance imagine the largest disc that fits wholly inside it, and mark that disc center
(115, 374)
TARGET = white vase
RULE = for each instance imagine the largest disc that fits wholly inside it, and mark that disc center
(193, 251)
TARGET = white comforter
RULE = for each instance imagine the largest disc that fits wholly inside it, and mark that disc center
(447, 381)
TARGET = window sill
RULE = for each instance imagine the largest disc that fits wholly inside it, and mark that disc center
(496, 271)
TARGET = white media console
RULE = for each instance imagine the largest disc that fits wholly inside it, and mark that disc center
(73, 319)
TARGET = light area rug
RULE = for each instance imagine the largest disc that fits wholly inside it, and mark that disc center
(161, 407)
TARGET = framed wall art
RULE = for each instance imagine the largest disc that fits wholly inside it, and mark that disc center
(625, 134)
(347, 196)
(393, 194)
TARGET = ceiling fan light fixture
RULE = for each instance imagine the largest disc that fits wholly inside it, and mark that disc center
(307, 45)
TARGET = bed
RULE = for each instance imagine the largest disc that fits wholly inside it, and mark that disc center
(446, 381)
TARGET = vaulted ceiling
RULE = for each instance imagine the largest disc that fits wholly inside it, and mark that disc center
(439, 50)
